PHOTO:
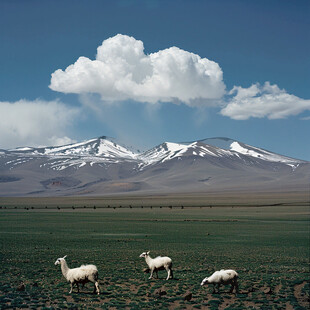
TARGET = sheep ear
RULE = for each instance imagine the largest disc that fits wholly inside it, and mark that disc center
(64, 256)
(148, 252)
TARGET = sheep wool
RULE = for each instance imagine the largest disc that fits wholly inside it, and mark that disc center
(222, 277)
(158, 263)
(83, 274)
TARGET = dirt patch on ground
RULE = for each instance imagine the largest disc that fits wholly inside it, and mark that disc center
(178, 304)
(288, 306)
(302, 299)
(277, 288)
(226, 302)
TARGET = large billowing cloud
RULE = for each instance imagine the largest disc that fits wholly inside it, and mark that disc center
(123, 71)
(35, 123)
(263, 101)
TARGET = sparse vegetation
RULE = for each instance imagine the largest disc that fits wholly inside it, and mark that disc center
(268, 246)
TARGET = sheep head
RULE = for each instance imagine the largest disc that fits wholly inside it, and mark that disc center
(59, 260)
(204, 281)
(145, 254)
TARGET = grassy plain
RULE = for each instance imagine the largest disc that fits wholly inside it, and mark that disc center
(267, 245)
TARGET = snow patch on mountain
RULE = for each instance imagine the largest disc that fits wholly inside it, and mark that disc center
(162, 153)
(94, 151)
(95, 147)
(260, 153)
(169, 150)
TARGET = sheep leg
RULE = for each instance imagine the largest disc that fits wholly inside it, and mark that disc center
(151, 276)
(171, 273)
(156, 273)
(97, 287)
(168, 276)
(236, 286)
(231, 288)
(71, 286)
(77, 285)
(213, 289)
(233, 285)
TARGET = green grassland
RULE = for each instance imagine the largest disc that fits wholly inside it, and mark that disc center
(268, 246)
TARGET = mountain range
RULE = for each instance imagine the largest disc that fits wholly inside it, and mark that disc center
(101, 166)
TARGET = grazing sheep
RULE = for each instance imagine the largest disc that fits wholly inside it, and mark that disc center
(158, 263)
(222, 277)
(83, 274)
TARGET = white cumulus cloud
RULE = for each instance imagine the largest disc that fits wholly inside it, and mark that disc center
(35, 123)
(123, 71)
(263, 101)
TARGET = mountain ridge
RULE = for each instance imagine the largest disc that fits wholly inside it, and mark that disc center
(220, 142)
(101, 166)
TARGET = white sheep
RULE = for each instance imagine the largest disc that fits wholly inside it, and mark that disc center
(222, 277)
(158, 263)
(83, 274)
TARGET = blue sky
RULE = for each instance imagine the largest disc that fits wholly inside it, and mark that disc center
(255, 53)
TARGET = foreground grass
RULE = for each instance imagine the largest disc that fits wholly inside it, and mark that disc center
(268, 246)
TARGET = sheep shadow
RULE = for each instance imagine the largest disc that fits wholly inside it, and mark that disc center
(228, 292)
(84, 293)
(164, 279)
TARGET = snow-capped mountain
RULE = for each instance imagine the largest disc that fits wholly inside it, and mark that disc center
(102, 146)
(102, 166)
(214, 147)
(95, 151)
(168, 151)
(245, 149)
